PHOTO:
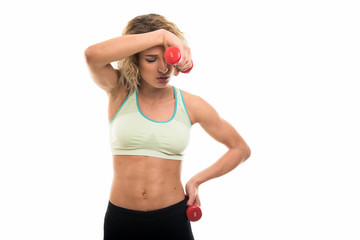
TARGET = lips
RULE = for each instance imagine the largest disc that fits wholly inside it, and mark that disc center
(163, 78)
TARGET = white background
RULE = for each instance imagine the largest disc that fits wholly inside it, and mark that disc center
(284, 73)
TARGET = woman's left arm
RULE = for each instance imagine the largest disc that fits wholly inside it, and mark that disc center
(238, 151)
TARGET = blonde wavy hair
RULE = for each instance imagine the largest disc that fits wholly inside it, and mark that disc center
(130, 75)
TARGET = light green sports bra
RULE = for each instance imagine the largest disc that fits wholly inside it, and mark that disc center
(132, 133)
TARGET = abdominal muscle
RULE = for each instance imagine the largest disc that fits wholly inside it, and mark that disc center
(146, 183)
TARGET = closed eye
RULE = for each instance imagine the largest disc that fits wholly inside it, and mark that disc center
(150, 60)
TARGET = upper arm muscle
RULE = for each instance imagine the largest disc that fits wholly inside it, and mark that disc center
(106, 77)
(203, 113)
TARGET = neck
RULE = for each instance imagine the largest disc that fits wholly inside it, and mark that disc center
(152, 93)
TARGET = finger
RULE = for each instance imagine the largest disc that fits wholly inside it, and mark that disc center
(191, 200)
(177, 68)
(187, 69)
(185, 66)
(197, 201)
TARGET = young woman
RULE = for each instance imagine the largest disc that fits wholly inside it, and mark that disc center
(150, 121)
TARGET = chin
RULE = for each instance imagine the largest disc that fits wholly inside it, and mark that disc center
(156, 83)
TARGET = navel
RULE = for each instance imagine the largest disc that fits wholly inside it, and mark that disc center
(144, 195)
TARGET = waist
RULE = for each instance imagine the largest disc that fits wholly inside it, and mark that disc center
(177, 208)
(146, 183)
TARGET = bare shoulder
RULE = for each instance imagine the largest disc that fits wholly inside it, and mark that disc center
(198, 109)
(192, 100)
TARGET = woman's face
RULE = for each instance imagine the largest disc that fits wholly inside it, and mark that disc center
(153, 68)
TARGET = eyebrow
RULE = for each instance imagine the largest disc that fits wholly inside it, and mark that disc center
(151, 55)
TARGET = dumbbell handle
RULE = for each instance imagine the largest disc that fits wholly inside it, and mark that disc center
(173, 56)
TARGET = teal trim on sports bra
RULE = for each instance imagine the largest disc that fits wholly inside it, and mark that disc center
(137, 104)
(182, 97)
(119, 108)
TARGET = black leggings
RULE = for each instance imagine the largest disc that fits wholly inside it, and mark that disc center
(168, 223)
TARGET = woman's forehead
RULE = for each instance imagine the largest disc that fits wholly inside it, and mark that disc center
(157, 50)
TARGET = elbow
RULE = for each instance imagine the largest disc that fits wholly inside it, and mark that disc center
(245, 152)
(90, 55)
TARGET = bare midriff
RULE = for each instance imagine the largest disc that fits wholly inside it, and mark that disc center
(146, 183)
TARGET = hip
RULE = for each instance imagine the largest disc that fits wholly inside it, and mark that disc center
(166, 223)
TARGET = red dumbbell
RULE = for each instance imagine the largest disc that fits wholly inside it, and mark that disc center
(173, 56)
(193, 212)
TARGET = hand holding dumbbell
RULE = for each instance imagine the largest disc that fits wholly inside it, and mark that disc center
(173, 56)
(193, 212)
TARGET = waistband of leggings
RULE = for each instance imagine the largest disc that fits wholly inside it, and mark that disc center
(178, 208)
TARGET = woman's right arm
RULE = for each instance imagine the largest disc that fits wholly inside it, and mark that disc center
(99, 56)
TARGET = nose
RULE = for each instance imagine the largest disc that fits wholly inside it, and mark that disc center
(163, 66)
